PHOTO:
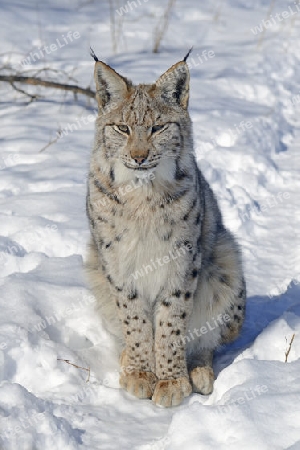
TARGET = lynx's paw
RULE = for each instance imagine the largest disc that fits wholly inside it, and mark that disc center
(202, 380)
(138, 383)
(171, 392)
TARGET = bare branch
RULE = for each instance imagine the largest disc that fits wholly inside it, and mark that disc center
(77, 367)
(116, 24)
(161, 28)
(36, 81)
(289, 349)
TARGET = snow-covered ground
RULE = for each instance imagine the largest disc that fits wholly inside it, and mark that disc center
(245, 105)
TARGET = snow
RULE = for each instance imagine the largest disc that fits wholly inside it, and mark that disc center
(247, 134)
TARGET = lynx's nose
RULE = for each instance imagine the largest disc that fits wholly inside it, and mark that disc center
(139, 160)
(139, 155)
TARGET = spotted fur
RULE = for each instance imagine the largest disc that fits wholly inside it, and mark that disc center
(151, 210)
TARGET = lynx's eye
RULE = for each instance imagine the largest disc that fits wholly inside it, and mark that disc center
(123, 128)
(156, 128)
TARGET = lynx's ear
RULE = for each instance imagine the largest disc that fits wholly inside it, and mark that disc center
(111, 87)
(173, 85)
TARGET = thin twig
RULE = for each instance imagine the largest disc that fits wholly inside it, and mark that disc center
(32, 72)
(289, 349)
(52, 141)
(77, 367)
(49, 69)
(32, 97)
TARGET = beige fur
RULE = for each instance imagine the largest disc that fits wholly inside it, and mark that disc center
(163, 267)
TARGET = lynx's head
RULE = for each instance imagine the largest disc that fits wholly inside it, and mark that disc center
(145, 128)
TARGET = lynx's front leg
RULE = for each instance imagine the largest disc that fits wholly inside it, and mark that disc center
(137, 360)
(171, 370)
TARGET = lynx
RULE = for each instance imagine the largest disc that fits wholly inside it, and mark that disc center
(166, 273)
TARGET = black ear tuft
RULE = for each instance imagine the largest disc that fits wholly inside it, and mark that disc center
(92, 53)
(188, 54)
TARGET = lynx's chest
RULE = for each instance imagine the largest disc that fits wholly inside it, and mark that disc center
(144, 258)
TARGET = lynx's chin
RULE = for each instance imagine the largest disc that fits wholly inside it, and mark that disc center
(145, 173)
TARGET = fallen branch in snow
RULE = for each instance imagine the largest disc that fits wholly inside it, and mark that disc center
(36, 81)
(77, 367)
(289, 349)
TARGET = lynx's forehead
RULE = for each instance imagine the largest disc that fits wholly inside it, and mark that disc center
(138, 109)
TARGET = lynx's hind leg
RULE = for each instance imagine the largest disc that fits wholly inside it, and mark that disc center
(221, 294)
(218, 310)
(232, 327)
